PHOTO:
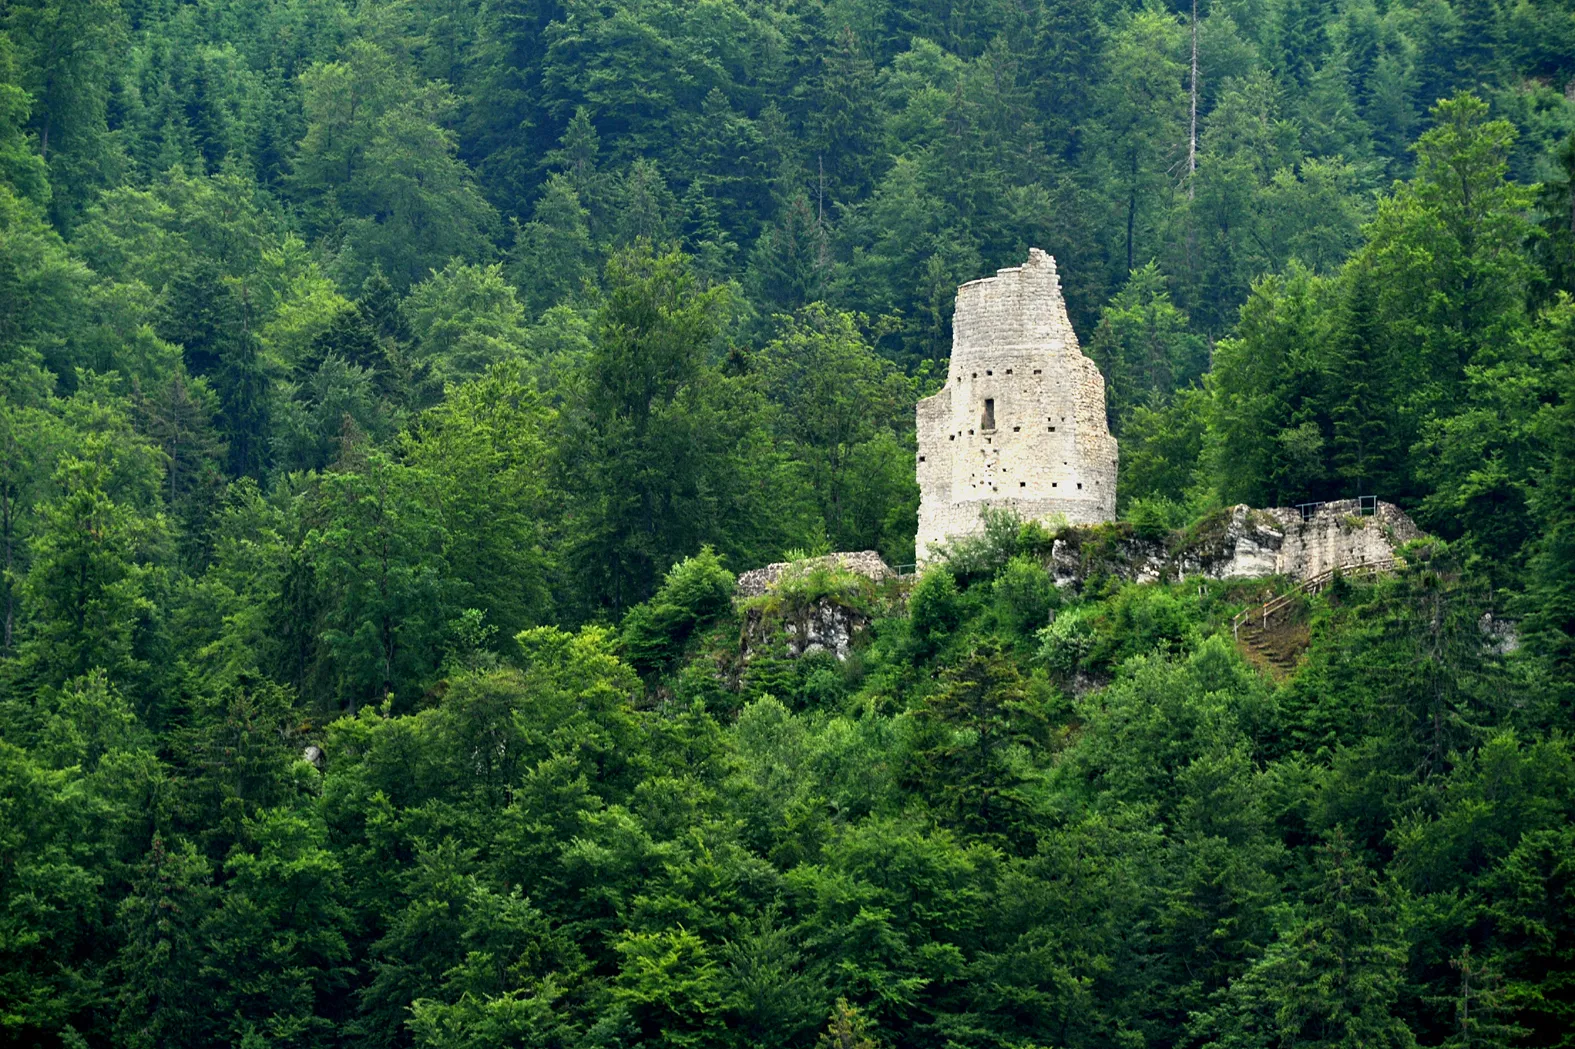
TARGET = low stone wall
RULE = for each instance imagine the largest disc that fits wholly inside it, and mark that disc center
(866, 563)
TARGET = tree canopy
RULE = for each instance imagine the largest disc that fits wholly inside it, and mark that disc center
(390, 394)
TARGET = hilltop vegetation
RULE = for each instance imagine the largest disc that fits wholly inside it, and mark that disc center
(407, 381)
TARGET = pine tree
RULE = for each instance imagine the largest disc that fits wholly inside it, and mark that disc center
(840, 117)
(981, 712)
(846, 1029)
(159, 969)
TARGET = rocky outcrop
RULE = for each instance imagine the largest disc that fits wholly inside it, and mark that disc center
(1242, 543)
(822, 626)
(792, 608)
(1328, 535)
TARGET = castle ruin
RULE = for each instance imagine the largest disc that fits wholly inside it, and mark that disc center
(1020, 424)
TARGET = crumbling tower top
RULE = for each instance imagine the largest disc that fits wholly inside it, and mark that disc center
(1019, 308)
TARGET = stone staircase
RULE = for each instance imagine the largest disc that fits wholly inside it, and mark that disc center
(1269, 634)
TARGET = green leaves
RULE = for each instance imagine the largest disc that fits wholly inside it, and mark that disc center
(378, 554)
(695, 591)
(294, 426)
(1332, 975)
(377, 163)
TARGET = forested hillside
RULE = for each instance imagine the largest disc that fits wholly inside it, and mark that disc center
(389, 392)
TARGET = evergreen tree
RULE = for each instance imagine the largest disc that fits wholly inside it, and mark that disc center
(1332, 977)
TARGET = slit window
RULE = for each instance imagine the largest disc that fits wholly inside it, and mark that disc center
(989, 414)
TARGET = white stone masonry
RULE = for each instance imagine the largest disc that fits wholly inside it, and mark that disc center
(1020, 423)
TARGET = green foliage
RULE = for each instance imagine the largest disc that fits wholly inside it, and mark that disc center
(355, 357)
(694, 592)
(377, 556)
(465, 319)
(1005, 536)
(980, 714)
(838, 403)
(1024, 597)
(666, 450)
(1332, 974)
(1143, 347)
(934, 608)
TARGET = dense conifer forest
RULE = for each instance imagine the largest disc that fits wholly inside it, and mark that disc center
(390, 392)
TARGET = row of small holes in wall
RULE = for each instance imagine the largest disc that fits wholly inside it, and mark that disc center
(987, 371)
(1015, 429)
(1024, 484)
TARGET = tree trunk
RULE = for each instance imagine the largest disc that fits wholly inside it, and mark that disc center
(1192, 141)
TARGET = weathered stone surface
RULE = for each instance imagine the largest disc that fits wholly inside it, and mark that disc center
(824, 626)
(1248, 544)
(866, 563)
(799, 627)
(1503, 635)
(1020, 423)
(1334, 536)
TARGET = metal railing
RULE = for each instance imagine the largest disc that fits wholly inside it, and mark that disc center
(1311, 585)
(1366, 506)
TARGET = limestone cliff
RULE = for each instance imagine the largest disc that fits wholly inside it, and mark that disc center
(1240, 543)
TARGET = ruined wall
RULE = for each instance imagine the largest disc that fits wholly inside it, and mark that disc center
(866, 563)
(1020, 423)
(1333, 537)
(1242, 543)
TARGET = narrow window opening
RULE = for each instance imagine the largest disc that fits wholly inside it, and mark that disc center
(1038, 370)
(1008, 371)
(1016, 429)
(1080, 486)
(921, 458)
(989, 414)
(1053, 484)
(987, 371)
(1022, 484)
(1052, 429)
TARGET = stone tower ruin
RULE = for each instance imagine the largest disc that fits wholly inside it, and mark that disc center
(1020, 424)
